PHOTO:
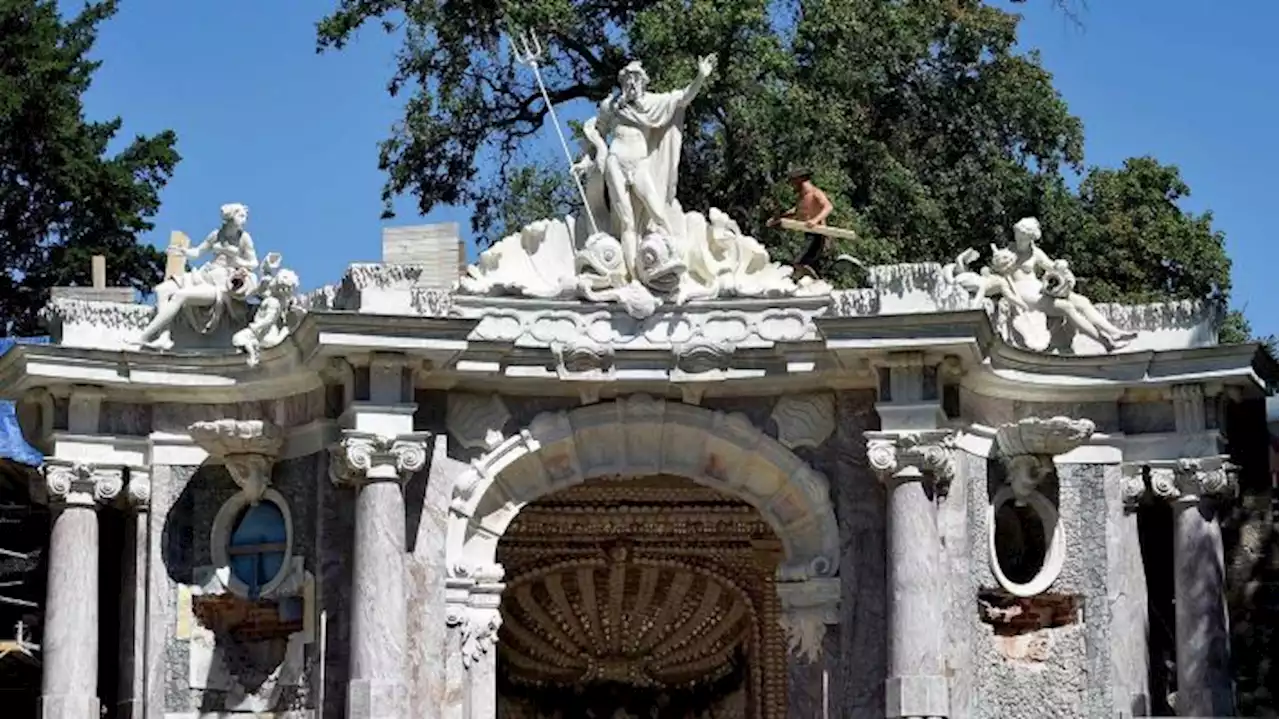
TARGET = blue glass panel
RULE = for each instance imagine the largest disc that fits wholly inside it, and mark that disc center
(260, 524)
(243, 566)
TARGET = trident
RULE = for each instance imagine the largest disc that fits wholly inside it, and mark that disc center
(527, 50)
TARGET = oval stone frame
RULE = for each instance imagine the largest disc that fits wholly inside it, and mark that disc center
(220, 539)
(1055, 553)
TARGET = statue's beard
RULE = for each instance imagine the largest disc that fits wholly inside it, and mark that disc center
(631, 93)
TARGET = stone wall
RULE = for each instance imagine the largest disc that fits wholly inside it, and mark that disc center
(1067, 664)
(185, 502)
(857, 682)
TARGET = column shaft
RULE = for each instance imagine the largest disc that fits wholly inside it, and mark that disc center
(70, 640)
(916, 687)
(1203, 652)
(378, 621)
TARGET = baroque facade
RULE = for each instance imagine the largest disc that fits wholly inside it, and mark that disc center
(629, 466)
(422, 502)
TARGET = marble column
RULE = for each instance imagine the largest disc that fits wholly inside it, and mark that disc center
(70, 640)
(376, 466)
(1201, 625)
(132, 691)
(916, 468)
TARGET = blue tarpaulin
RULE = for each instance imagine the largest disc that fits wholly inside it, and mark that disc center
(13, 446)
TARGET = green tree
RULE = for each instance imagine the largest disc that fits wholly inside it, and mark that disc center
(63, 197)
(927, 126)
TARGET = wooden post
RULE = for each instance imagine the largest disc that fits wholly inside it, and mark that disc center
(99, 272)
(97, 291)
(176, 264)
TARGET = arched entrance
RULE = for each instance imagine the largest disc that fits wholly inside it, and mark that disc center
(646, 447)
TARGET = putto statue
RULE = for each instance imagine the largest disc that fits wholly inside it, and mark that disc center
(1037, 288)
(634, 244)
(219, 295)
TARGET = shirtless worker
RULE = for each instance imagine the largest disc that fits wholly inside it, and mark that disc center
(812, 208)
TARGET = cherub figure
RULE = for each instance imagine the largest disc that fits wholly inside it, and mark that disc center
(992, 281)
(270, 322)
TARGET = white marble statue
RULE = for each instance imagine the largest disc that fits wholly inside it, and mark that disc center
(218, 287)
(633, 244)
(220, 291)
(1036, 287)
(276, 315)
(994, 280)
(641, 161)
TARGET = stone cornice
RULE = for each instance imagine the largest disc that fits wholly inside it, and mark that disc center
(904, 456)
(761, 348)
(362, 457)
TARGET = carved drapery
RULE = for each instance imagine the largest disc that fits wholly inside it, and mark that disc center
(807, 608)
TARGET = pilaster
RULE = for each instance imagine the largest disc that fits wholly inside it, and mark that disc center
(473, 618)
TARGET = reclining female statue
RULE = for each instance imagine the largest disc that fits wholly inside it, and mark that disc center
(1048, 285)
(216, 289)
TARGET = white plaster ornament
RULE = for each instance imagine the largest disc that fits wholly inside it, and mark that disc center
(638, 248)
(1036, 288)
(257, 300)
(248, 448)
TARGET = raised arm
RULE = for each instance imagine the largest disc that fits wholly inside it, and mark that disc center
(194, 252)
(706, 66)
(1042, 261)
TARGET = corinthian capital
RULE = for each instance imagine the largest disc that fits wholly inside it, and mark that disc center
(78, 484)
(364, 457)
(906, 456)
(1187, 480)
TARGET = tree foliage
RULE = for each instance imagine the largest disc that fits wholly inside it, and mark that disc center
(926, 125)
(63, 196)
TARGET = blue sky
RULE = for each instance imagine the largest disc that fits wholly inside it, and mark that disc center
(262, 119)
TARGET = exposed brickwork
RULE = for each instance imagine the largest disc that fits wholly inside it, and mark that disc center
(1009, 615)
(244, 620)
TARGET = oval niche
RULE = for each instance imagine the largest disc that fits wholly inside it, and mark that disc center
(1025, 546)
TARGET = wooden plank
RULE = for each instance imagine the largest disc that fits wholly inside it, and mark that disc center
(836, 232)
(176, 264)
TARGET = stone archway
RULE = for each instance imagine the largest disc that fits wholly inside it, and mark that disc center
(639, 436)
(643, 436)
